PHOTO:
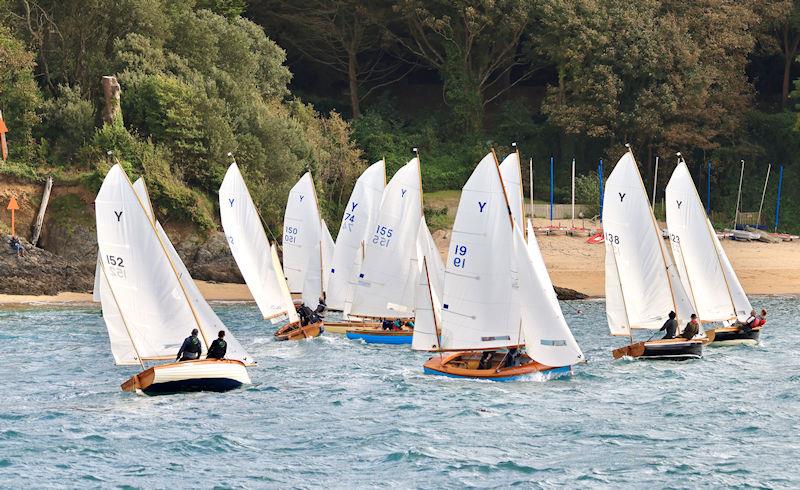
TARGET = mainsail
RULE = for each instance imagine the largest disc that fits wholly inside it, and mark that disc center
(302, 235)
(702, 263)
(251, 248)
(538, 263)
(386, 281)
(641, 285)
(357, 223)
(150, 302)
(480, 299)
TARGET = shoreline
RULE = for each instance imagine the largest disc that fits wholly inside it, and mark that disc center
(765, 269)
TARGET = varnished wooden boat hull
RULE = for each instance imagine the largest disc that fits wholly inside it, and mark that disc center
(378, 336)
(464, 365)
(293, 331)
(670, 349)
(726, 336)
(344, 327)
(189, 376)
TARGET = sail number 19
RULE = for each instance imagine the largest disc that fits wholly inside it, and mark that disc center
(460, 256)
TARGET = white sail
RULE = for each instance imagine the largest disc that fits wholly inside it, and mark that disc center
(301, 234)
(639, 292)
(98, 278)
(512, 178)
(426, 247)
(699, 256)
(328, 246)
(209, 321)
(388, 275)
(357, 223)
(480, 305)
(427, 308)
(144, 283)
(548, 339)
(287, 304)
(538, 263)
(249, 245)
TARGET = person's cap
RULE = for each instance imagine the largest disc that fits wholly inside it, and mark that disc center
(763, 312)
(221, 333)
(194, 331)
(694, 316)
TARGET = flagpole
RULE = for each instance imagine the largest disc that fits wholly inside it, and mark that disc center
(763, 193)
(655, 180)
(572, 225)
(738, 198)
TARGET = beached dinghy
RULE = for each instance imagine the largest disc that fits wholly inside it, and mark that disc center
(495, 301)
(257, 258)
(348, 254)
(642, 285)
(703, 266)
(150, 302)
(385, 287)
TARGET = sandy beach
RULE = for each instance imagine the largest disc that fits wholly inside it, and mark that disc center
(763, 268)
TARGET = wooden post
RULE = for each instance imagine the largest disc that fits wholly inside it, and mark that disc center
(112, 113)
(37, 226)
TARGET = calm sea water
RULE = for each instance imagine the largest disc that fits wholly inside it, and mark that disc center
(336, 413)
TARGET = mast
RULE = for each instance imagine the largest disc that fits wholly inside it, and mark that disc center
(433, 306)
(319, 236)
(503, 186)
(419, 172)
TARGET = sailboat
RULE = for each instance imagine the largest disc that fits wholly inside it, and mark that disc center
(642, 283)
(386, 280)
(150, 302)
(258, 259)
(703, 266)
(357, 223)
(494, 300)
(427, 302)
(307, 243)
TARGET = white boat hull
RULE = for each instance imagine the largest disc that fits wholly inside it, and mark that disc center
(188, 376)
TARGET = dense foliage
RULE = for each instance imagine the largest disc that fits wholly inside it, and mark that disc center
(568, 78)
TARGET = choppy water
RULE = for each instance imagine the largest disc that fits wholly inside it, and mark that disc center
(336, 413)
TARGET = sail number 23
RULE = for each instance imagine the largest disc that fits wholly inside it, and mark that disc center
(382, 236)
(460, 256)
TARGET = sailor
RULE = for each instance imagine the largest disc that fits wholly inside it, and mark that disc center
(322, 306)
(486, 359)
(512, 357)
(307, 315)
(692, 328)
(218, 347)
(191, 348)
(671, 326)
(387, 324)
(754, 321)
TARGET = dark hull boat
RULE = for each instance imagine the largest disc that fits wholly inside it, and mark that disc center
(732, 336)
(665, 349)
(466, 365)
(217, 375)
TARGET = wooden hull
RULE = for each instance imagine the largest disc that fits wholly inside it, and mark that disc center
(189, 376)
(465, 365)
(378, 336)
(670, 349)
(343, 327)
(726, 336)
(293, 331)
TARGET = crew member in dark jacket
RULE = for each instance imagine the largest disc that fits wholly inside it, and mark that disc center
(692, 328)
(218, 347)
(191, 348)
(307, 316)
(671, 326)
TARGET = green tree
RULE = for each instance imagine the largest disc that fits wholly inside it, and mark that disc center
(19, 96)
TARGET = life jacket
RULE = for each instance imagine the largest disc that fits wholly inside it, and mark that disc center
(759, 321)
